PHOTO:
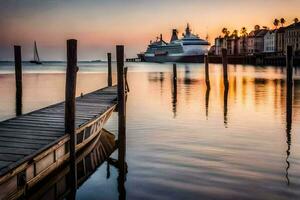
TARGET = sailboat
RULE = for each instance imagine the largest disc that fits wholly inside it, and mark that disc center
(36, 58)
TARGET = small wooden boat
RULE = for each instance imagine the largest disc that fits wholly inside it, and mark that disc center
(36, 58)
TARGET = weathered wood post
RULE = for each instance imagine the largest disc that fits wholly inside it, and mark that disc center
(71, 76)
(109, 76)
(121, 109)
(225, 68)
(18, 77)
(289, 66)
(206, 72)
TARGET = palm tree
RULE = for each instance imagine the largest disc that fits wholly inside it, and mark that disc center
(296, 20)
(276, 23)
(282, 21)
(243, 32)
(235, 33)
(225, 32)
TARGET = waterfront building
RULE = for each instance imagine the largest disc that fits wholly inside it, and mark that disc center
(270, 41)
(243, 45)
(250, 42)
(292, 37)
(220, 43)
(259, 40)
(232, 45)
(212, 50)
(280, 41)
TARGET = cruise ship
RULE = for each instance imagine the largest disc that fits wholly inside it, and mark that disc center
(190, 48)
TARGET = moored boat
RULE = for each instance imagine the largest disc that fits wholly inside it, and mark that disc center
(190, 48)
(36, 58)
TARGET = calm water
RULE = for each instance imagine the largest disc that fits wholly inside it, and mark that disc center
(186, 143)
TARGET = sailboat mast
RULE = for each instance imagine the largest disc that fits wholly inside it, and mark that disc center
(36, 54)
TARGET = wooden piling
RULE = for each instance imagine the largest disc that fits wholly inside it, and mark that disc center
(121, 108)
(70, 92)
(289, 66)
(109, 75)
(18, 77)
(207, 72)
(225, 68)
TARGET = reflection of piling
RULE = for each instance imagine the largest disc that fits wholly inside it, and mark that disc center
(225, 68)
(70, 107)
(18, 77)
(225, 106)
(174, 94)
(207, 101)
(207, 72)
(289, 66)
(109, 76)
(289, 105)
(174, 72)
(121, 108)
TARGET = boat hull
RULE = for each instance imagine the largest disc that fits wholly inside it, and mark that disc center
(166, 58)
(35, 62)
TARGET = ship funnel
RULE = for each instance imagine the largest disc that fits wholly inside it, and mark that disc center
(174, 35)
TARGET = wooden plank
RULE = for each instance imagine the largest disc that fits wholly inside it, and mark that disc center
(15, 151)
(20, 145)
(8, 157)
(27, 141)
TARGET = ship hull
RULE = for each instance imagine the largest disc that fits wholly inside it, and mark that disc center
(166, 58)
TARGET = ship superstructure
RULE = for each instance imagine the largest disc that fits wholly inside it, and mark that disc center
(190, 48)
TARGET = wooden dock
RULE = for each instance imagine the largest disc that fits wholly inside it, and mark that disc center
(34, 144)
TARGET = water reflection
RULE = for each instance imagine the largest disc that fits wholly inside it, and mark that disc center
(226, 89)
(207, 101)
(174, 91)
(57, 185)
(289, 113)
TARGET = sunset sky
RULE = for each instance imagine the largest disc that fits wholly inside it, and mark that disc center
(101, 24)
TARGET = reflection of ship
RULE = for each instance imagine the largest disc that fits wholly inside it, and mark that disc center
(188, 49)
(36, 58)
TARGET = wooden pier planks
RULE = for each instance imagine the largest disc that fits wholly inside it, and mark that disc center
(25, 136)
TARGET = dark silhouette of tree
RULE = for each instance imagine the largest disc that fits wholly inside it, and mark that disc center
(235, 33)
(282, 21)
(256, 27)
(244, 32)
(226, 32)
(276, 23)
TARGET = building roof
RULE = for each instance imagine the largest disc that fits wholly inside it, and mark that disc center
(294, 25)
(261, 33)
(281, 30)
